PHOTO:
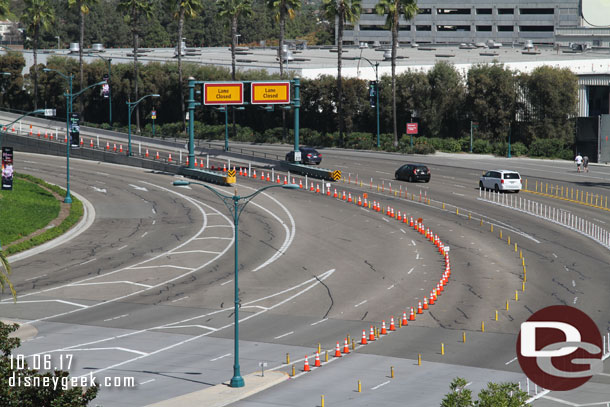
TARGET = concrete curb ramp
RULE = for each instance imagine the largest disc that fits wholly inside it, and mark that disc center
(222, 395)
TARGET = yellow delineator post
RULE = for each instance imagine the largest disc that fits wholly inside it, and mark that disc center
(524, 275)
(443, 205)
(520, 254)
(496, 315)
(288, 358)
(526, 184)
(469, 216)
(419, 359)
(293, 371)
(326, 356)
(492, 227)
(572, 193)
(523, 285)
(457, 211)
(536, 185)
(481, 223)
(482, 326)
(463, 337)
(546, 188)
(516, 295)
(319, 348)
(442, 348)
(508, 241)
(507, 305)
(500, 233)
(391, 372)
(515, 247)
(322, 402)
(359, 387)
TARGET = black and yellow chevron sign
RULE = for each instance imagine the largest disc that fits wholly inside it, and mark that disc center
(231, 173)
(336, 175)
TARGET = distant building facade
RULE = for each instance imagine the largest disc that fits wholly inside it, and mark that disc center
(470, 21)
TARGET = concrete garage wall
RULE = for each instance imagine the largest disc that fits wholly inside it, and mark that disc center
(33, 145)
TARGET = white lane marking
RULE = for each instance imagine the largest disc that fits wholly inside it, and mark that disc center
(573, 283)
(154, 211)
(410, 271)
(386, 220)
(154, 221)
(138, 187)
(455, 193)
(226, 282)
(380, 385)
(403, 231)
(554, 255)
(161, 266)
(180, 299)
(575, 299)
(566, 267)
(60, 301)
(102, 190)
(599, 220)
(34, 278)
(390, 287)
(319, 322)
(137, 352)
(417, 256)
(382, 172)
(214, 238)
(196, 251)
(112, 319)
(88, 261)
(109, 282)
(313, 283)
(283, 335)
(209, 328)
(121, 248)
(511, 361)
(413, 241)
(220, 357)
(144, 234)
(459, 186)
(103, 173)
(147, 381)
(360, 303)
(30, 162)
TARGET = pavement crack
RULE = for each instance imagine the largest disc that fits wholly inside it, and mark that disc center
(438, 321)
(364, 316)
(370, 265)
(463, 313)
(471, 289)
(332, 302)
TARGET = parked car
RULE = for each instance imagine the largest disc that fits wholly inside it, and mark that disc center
(501, 180)
(412, 173)
(309, 155)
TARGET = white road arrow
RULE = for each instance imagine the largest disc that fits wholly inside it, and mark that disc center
(102, 190)
(138, 187)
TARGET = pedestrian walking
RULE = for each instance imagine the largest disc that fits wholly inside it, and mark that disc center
(585, 163)
(578, 161)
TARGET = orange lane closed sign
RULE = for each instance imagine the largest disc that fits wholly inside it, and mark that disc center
(223, 93)
(269, 93)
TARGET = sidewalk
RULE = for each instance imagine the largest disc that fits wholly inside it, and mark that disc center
(222, 395)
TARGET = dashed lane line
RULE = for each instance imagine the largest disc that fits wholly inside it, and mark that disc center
(220, 357)
(284, 335)
(380, 385)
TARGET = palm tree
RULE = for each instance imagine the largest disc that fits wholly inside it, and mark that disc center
(231, 10)
(84, 6)
(135, 10)
(37, 16)
(283, 8)
(341, 11)
(5, 271)
(182, 9)
(394, 9)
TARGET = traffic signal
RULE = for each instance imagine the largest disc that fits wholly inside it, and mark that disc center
(373, 93)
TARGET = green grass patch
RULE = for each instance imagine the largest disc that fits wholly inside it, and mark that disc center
(28, 208)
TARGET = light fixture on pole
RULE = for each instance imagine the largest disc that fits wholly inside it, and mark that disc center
(376, 68)
(108, 62)
(235, 204)
(130, 107)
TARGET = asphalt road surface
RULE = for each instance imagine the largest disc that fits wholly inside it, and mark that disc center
(144, 295)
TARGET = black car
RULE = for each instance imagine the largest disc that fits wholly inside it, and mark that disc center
(413, 172)
(308, 156)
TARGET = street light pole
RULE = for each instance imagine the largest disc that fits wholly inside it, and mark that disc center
(376, 67)
(68, 198)
(235, 204)
(130, 107)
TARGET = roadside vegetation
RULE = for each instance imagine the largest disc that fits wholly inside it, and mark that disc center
(30, 207)
(495, 395)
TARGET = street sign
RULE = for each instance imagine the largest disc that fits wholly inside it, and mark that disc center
(49, 112)
(411, 128)
(231, 173)
(336, 175)
(223, 93)
(153, 115)
(270, 93)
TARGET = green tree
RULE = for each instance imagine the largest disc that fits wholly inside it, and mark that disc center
(491, 100)
(394, 10)
(181, 10)
(446, 98)
(83, 7)
(31, 396)
(283, 9)
(459, 396)
(4, 8)
(5, 272)
(502, 395)
(135, 11)
(37, 17)
(341, 11)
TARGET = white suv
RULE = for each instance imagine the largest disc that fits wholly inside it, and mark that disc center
(501, 180)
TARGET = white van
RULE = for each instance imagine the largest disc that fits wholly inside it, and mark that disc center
(501, 180)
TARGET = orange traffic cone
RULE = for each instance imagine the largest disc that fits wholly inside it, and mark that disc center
(317, 188)
(147, 154)
(359, 201)
(311, 187)
(412, 315)
(419, 308)
(404, 219)
(300, 184)
(404, 319)
(278, 180)
(337, 351)
(169, 159)
(392, 326)
(187, 160)
(432, 297)
(328, 192)
(411, 221)
(363, 340)
(268, 177)
(306, 366)
(157, 156)
(194, 164)
(201, 165)
(224, 168)
(91, 143)
(39, 134)
(335, 193)
(108, 148)
(285, 180)
(372, 334)
(120, 148)
(345, 347)
(114, 147)
(317, 362)
(30, 129)
(425, 303)
(82, 140)
(349, 197)
(384, 331)
(399, 216)
(254, 174)
(343, 196)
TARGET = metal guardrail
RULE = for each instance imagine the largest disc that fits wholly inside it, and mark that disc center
(315, 172)
(214, 177)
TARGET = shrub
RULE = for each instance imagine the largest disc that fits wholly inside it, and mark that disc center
(450, 145)
(551, 148)
(481, 147)
(518, 149)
